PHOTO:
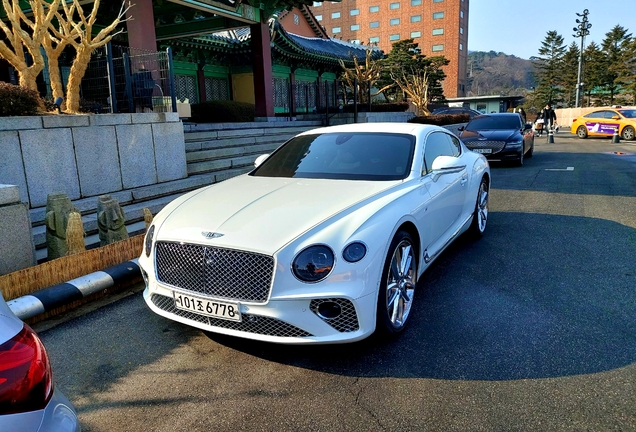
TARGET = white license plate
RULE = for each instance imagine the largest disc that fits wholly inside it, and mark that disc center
(483, 150)
(203, 306)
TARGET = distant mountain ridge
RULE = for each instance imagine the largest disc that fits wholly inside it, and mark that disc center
(496, 73)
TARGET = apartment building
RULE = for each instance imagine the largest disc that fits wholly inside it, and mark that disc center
(440, 27)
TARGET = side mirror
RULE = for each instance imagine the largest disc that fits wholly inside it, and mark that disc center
(259, 160)
(446, 165)
(461, 128)
(615, 117)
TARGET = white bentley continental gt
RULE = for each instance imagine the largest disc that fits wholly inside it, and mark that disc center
(324, 241)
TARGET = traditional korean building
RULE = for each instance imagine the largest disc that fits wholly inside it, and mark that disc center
(227, 50)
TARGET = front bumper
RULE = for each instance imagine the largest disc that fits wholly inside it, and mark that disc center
(285, 321)
(507, 153)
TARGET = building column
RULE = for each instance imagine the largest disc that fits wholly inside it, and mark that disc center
(262, 67)
(201, 84)
(292, 93)
(141, 28)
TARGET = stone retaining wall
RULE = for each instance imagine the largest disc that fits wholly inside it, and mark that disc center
(89, 155)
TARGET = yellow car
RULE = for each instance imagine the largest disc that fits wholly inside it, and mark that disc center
(604, 122)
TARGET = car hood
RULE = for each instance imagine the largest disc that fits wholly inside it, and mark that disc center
(261, 214)
(490, 135)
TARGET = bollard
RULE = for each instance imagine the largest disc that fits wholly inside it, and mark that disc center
(616, 138)
(551, 136)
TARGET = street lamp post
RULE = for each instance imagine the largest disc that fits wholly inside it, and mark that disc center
(582, 30)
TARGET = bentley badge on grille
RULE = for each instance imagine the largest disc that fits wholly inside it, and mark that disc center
(211, 235)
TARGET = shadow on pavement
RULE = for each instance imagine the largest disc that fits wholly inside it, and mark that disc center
(597, 173)
(539, 296)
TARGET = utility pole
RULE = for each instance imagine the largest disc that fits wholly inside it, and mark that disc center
(582, 30)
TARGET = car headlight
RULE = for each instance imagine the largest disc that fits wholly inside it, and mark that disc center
(514, 144)
(354, 252)
(313, 264)
(148, 243)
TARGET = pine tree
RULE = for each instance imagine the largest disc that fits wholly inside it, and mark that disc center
(569, 76)
(593, 70)
(417, 76)
(614, 47)
(549, 68)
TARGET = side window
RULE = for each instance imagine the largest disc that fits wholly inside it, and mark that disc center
(455, 145)
(595, 114)
(437, 144)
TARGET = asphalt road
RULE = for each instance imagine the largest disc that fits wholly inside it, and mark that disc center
(532, 328)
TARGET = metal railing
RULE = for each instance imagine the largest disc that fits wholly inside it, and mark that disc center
(126, 80)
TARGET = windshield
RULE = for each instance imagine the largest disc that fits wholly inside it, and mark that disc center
(343, 156)
(628, 113)
(494, 123)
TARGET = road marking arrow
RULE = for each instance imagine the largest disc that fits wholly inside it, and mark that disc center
(560, 169)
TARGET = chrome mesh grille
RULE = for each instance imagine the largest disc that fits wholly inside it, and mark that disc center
(221, 273)
(496, 146)
(347, 321)
(250, 324)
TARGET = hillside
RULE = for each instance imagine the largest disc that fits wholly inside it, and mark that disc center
(491, 73)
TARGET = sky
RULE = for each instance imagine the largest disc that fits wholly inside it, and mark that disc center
(517, 27)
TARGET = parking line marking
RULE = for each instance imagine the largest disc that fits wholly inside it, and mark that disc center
(560, 169)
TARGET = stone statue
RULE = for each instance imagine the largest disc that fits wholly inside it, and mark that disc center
(111, 221)
(75, 234)
(58, 207)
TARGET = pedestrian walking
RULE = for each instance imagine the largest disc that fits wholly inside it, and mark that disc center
(549, 118)
(522, 113)
(538, 124)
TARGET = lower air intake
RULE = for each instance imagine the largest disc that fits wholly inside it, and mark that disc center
(251, 323)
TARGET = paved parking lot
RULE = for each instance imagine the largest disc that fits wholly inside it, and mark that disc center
(531, 328)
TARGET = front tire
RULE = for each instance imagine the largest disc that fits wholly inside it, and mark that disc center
(480, 215)
(628, 133)
(581, 132)
(531, 151)
(521, 157)
(397, 286)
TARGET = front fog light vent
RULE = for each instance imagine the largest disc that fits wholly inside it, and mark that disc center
(339, 313)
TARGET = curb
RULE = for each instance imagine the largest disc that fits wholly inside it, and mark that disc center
(58, 295)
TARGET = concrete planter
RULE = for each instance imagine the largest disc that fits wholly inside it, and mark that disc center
(89, 155)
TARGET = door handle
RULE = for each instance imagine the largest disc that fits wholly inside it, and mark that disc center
(464, 180)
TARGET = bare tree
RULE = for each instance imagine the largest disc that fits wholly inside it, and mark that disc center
(366, 74)
(415, 83)
(82, 39)
(59, 37)
(19, 38)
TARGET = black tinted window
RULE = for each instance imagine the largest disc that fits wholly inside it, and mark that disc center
(494, 123)
(346, 156)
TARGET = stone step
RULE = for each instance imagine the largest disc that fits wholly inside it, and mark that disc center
(230, 152)
(194, 146)
(92, 241)
(89, 205)
(212, 127)
(155, 199)
(241, 133)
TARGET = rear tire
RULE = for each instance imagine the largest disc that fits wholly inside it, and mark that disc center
(581, 132)
(397, 286)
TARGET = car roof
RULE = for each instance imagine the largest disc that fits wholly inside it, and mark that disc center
(405, 128)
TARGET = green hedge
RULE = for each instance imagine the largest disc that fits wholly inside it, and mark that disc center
(441, 119)
(19, 101)
(375, 107)
(222, 112)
